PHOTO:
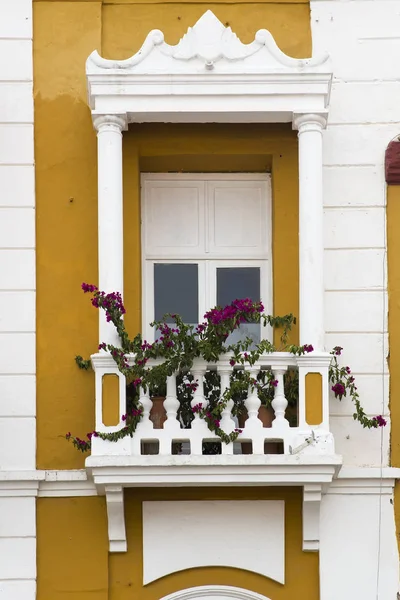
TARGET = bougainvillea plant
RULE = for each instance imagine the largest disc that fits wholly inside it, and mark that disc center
(179, 344)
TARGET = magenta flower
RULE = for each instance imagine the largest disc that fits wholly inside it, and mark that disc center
(381, 422)
(339, 390)
(88, 287)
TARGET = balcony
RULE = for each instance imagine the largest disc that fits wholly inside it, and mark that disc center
(295, 451)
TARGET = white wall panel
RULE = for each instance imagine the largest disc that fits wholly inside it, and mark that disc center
(354, 228)
(17, 311)
(18, 558)
(363, 352)
(170, 529)
(361, 447)
(355, 311)
(355, 269)
(19, 68)
(365, 102)
(17, 183)
(357, 538)
(374, 395)
(17, 301)
(17, 353)
(16, 19)
(16, 102)
(17, 395)
(17, 443)
(17, 517)
(354, 186)
(18, 590)
(16, 143)
(17, 268)
(17, 227)
(358, 144)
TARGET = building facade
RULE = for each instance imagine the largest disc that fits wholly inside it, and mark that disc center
(181, 153)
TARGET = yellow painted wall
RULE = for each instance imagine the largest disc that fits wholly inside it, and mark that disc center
(393, 245)
(73, 560)
(65, 145)
(72, 557)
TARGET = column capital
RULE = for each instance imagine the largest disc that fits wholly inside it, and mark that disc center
(116, 123)
(309, 121)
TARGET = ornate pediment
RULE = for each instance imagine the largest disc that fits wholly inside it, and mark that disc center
(207, 43)
(209, 76)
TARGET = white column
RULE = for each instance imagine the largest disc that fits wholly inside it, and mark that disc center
(110, 213)
(311, 242)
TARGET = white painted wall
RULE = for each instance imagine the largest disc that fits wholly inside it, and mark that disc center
(358, 555)
(17, 298)
(363, 40)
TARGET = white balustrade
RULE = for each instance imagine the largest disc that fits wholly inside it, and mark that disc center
(302, 437)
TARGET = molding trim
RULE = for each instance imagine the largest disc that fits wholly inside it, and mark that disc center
(64, 484)
(76, 483)
(215, 592)
(209, 76)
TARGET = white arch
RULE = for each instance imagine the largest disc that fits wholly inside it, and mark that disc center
(215, 592)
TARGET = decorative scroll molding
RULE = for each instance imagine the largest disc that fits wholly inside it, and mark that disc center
(209, 76)
(216, 592)
(210, 42)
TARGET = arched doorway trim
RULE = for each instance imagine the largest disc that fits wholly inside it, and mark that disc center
(215, 592)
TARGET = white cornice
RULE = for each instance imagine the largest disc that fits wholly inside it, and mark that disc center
(209, 76)
(75, 483)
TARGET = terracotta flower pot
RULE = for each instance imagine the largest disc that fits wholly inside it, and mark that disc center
(266, 415)
(158, 415)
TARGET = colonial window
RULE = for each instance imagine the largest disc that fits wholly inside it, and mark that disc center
(206, 240)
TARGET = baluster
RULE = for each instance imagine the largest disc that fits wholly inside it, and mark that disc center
(253, 403)
(198, 425)
(171, 405)
(227, 423)
(279, 403)
(147, 404)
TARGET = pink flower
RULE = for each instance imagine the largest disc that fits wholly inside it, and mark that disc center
(381, 422)
(339, 390)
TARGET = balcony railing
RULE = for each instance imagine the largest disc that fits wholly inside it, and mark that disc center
(310, 434)
(180, 456)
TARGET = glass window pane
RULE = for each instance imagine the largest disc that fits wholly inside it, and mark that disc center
(236, 283)
(176, 290)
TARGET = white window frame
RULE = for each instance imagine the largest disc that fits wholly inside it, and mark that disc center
(207, 263)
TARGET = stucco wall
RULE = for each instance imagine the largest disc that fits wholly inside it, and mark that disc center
(362, 38)
(17, 298)
(364, 116)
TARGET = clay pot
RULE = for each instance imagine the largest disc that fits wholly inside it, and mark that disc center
(158, 415)
(266, 415)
